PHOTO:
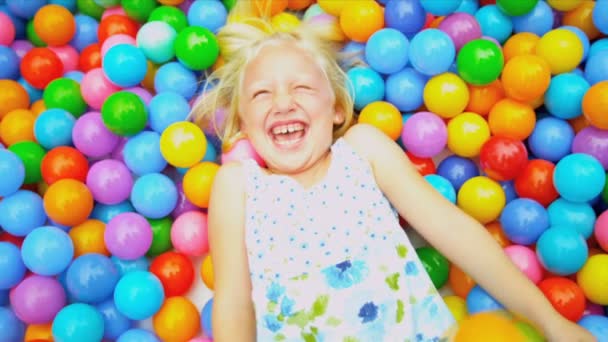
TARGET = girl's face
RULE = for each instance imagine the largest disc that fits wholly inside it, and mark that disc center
(287, 108)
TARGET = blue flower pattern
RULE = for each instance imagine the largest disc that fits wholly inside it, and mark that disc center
(335, 264)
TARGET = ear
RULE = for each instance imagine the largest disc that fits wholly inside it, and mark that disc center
(339, 116)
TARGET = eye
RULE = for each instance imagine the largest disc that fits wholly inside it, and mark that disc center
(259, 92)
(303, 87)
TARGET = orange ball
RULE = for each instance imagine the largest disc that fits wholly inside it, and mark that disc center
(297, 5)
(198, 181)
(360, 19)
(116, 24)
(207, 272)
(148, 81)
(170, 2)
(38, 107)
(578, 123)
(68, 202)
(495, 229)
(17, 125)
(526, 78)
(177, 320)
(12, 96)
(523, 43)
(87, 237)
(488, 326)
(39, 332)
(483, 98)
(595, 105)
(460, 282)
(512, 119)
(269, 8)
(333, 7)
(383, 115)
(581, 17)
(55, 25)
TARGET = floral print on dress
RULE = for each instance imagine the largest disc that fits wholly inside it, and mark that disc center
(329, 264)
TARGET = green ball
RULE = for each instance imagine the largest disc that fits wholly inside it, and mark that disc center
(124, 113)
(480, 62)
(605, 192)
(529, 332)
(171, 15)
(139, 9)
(197, 48)
(516, 7)
(32, 36)
(65, 93)
(229, 4)
(161, 236)
(107, 3)
(90, 8)
(31, 154)
(435, 264)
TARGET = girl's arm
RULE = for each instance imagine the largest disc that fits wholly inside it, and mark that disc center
(455, 234)
(233, 317)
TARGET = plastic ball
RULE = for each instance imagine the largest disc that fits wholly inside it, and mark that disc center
(11, 266)
(39, 332)
(524, 220)
(460, 283)
(175, 271)
(189, 233)
(183, 144)
(488, 326)
(536, 182)
(478, 300)
(595, 69)
(68, 202)
(404, 89)
(54, 24)
(64, 162)
(86, 31)
(565, 296)
(494, 23)
(594, 142)
(523, 43)
(207, 272)
(53, 128)
(525, 259)
(526, 77)
(198, 181)
(424, 166)
(461, 27)
(551, 139)
(480, 62)
(40, 66)
(196, 48)
(367, 86)
(47, 251)
(114, 40)
(124, 113)
(161, 236)
(579, 177)
(165, 109)
(96, 88)
(155, 39)
(22, 212)
(116, 24)
(387, 51)
(12, 173)
(64, 93)
(177, 320)
(596, 324)
(125, 65)
(109, 181)
(512, 119)
(8, 33)
(483, 98)
(564, 97)
(17, 126)
(569, 214)
(92, 137)
(142, 153)
(9, 62)
(457, 170)
(132, 245)
(562, 50)
(171, 15)
(435, 264)
(564, 5)
(446, 95)
(206, 318)
(562, 250)
(114, 323)
(91, 278)
(359, 20)
(482, 198)
(595, 103)
(424, 134)
(78, 322)
(38, 299)
(600, 17)
(503, 158)
(440, 8)
(443, 186)
(87, 238)
(407, 16)
(383, 115)
(12, 96)
(139, 295)
(208, 14)
(154, 195)
(432, 52)
(516, 8)
(538, 21)
(467, 133)
(138, 335)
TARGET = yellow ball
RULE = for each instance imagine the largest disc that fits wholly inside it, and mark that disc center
(467, 133)
(383, 115)
(88, 237)
(333, 7)
(446, 95)
(593, 279)
(177, 320)
(457, 306)
(183, 144)
(285, 22)
(207, 272)
(198, 181)
(17, 126)
(562, 49)
(482, 198)
(488, 326)
(564, 5)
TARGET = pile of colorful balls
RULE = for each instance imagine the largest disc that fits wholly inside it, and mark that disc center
(501, 105)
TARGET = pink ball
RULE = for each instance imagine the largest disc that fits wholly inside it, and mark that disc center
(525, 259)
(37, 299)
(189, 233)
(128, 236)
(601, 230)
(96, 88)
(7, 34)
(68, 56)
(424, 134)
(92, 137)
(241, 150)
(116, 39)
(118, 10)
(201, 339)
(461, 27)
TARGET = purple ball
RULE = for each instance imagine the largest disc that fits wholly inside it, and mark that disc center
(91, 137)
(110, 181)
(128, 236)
(424, 134)
(117, 153)
(183, 204)
(461, 27)
(21, 47)
(143, 94)
(593, 141)
(37, 299)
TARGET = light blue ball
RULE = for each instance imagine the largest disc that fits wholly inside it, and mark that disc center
(579, 177)
(11, 266)
(551, 139)
(35, 94)
(86, 32)
(53, 128)
(167, 108)
(142, 153)
(564, 97)
(562, 250)
(538, 21)
(468, 6)
(442, 185)
(139, 295)
(12, 173)
(386, 51)
(478, 300)
(155, 39)
(206, 318)
(74, 75)
(114, 322)
(106, 212)
(597, 46)
(125, 266)
(154, 195)
(600, 16)
(596, 68)
(70, 5)
(78, 322)
(125, 65)
(173, 76)
(365, 85)
(91, 278)
(443, 7)
(138, 335)
(523, 220)
(432, 52)
(405, 89)
(47, 251)
(597, 325)
(22, 212)
(11, 328)
(578, 215)
(494, 23)
(208, 14)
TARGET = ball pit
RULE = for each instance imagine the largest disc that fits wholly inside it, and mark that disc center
(104, 183)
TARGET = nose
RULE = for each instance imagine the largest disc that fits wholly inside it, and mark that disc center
(283, 102)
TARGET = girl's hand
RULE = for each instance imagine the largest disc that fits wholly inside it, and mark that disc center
(567, 331)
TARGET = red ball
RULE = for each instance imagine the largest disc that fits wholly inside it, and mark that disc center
(116, 24)
(90, 57)
(536, 182)
(425, 166)
(64, 162)
(15, 240)
(503, 158)
(565, 296)
(175, 272)
(40, 66)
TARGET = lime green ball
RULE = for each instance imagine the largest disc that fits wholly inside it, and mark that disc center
(107, 3)
(480, 62)
(171, 15)
(605, 192)
(90, 8)
(529, 332)
(31, 154)
(435, 264)
(139, 9)
(161, 236)
(197, 48)
(124, 113)
(516, 7)
(32, 36)
(65, 93)
(229, 4)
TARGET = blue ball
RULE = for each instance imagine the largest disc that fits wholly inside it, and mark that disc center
(582, 36)
(352, 53)
(12, 173)
(578, 215)
(442, 185)
(19, 23)
(405, 89)
(167, 108)
(443, 7)
(365, 85)
(9, 63)
(173, 76)
(91, 278)
(562, 250)
(154, 195)
(125, 65)
(600, 16)
(35, 94)
(4, 300)
(25, 9)
(11, 328)
(53, 128)
(407, 16)
(551, 139)
(457, 170)
(597, 46)
(125, 266)
(12, 267)
(210, 154)
(106, 212)
(597, 325)
(86, 32)
(596, 68)
(142, 153)
(579, 177)
(206, 318)
(468, 6)
(74, 75)
(494, 23)
(478, 300)
(538, 21)
(114, 322)
(564, 97)
(432, 52)
(47, 251)
(70, 5)
(509, 188)
(386, 51)
(138, 335)
(22, 212)
(78, 322)
(208, 14)
(524, 220)
(139, 295)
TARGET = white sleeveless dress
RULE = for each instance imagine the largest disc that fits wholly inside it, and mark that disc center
(331, 263)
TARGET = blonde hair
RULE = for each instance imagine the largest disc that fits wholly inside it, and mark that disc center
(240, 41)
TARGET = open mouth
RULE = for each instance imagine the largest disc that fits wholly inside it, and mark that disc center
(288, 135)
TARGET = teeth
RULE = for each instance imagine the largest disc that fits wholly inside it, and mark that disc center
(288, 128)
